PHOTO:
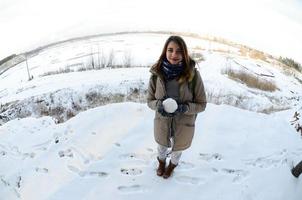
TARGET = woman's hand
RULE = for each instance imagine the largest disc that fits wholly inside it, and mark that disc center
(182, 108)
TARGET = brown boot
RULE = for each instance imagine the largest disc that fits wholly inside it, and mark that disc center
(169, 170)
(161, 167)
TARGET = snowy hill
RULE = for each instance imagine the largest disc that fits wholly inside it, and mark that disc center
(88, 134)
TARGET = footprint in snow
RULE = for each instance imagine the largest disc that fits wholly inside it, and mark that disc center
(41, 170)
(238, 174)
(210, 157)
(117, 144)
(273, 160)
(215, 170)
(141, 158)
(190, 180)
(57, 140)
(66, 153)
(42, 146)
(73, 169)
(131, 189)
(87, 173)
(263, 162)
(29, 155)
(131, 171)
(185, 165)
(81, 154)
(94, 173)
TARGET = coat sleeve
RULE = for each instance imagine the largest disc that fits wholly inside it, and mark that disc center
(200, 102)
(151, 100)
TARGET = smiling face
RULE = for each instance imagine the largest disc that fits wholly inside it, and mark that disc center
(174, 54)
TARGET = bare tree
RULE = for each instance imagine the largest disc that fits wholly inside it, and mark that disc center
(111, 57)
(127, 62)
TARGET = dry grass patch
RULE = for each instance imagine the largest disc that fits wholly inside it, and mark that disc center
(243, 51)
(251, 80)
(257, 55)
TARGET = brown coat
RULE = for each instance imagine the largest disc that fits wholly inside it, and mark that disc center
(183, 124)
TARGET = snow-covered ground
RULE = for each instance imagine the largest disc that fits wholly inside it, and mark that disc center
(109, 152)
(106, 148)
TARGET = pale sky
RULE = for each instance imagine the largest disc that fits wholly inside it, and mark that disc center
(274, 26)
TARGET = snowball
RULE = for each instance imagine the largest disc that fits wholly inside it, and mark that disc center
(170, 105)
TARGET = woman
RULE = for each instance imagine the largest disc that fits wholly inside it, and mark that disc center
(174, 76)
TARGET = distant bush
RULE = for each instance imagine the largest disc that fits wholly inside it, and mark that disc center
(243, 51)
(291, 63)
(250, 80)
(197, 56)
(257, 55)
(7, 59)
(60, 71)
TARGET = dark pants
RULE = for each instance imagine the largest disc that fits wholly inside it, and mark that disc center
(297, 170)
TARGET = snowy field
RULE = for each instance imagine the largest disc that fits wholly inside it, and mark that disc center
(105, 147)
(109, 153)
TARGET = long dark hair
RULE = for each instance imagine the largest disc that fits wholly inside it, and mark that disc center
(188, 62)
